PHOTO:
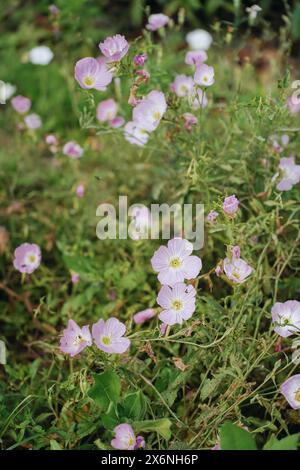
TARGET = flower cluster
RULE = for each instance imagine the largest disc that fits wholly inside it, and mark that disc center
(108, 337)
(174, 264)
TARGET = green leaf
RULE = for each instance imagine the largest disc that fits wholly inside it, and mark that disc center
(134, 405)
(234, 438)
(296, 21)
(54, 445)
(106, 389)
(110, 419)
(287, 443)
(162, 426)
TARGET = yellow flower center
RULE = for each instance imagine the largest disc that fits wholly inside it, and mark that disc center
(156, 115)
(78, 340)
(205, 79)
(175, 263)
(130, 441)
(31, 258)
(88, 81)
(106, 340)
(177, 304)
(297, 395)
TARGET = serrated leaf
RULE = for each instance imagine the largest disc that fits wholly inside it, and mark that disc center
(106, 389)
(233, 437)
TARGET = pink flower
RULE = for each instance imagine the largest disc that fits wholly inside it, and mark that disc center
(156, 21)
(189, 121)
(80, 190)
(118, 121)
(198, 99)
(236, 269)
(135, 134)
(27, 257)
(178, 303)
(290, 174)
(140, 59)
(108, 336)
(51, 139)
(211, 217)
(72, 149)
(21, 104)
(143, 316)
(230, 205)
(204, 75)
(291, 391)
(175, 263)
(107, 110)
(279, 147)
(114, 48)
(236, 251)
(286, 317)
(33, 121)
(124, 437)
(163, 328)
(218, 271)
(53, 9)
(75, 339)
(216, 446)
(75, 277)
(293, 104)
(182, 85)
(89, 73)
(148, 113)
(140, 443)
(195, 57)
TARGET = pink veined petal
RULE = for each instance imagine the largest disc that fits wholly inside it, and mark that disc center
(115, 327)
(170, 317)
(191, 267)
(285, 185)
(121, 345)
(160, 259)
(164, 297)
(180, 247)
(170, 276)
(97, 329)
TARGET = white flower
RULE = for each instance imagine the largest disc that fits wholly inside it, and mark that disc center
(6, 91)
(199, 39)
(41, 55)
(253, 11)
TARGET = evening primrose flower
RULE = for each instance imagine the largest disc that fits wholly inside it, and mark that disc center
(189, 121)
(80, 190)
(204, 75)
(114, 48)
(230, 205)
(140, 59)
(135, 134)
(125, 438)
(279, 143)
(286, 317)
(148, 112)
(212, 215)
(40, 55)
(182, 85)
(107, 110)
(293, 104)
(90, 73)
(291, 391)
(144, 315)
(178, 303)
(290, 173)
(27, 257)
(157, 21)
(21, 104)
(108, 336)
(7, 90)
(199, 39)
(195, 57)
(236, 269)
(72, 149)
(174, 263)
(33, 121)
(75, 339)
